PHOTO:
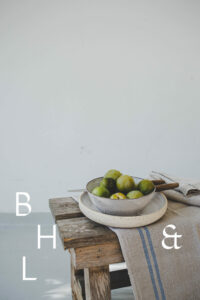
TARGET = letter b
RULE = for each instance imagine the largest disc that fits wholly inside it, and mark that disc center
(26, 204)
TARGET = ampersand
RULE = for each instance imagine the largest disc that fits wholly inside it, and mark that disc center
(175, 236)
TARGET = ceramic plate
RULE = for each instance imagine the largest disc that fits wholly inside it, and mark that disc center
(150, 214)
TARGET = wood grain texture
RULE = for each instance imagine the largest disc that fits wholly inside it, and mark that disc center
(81, 232)
(97, 283)
(118, 279)
(97, 255)
(77, 284)
(64, 208)
(167, 186)
(158, 181)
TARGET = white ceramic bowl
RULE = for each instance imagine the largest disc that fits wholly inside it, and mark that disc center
(122, 207)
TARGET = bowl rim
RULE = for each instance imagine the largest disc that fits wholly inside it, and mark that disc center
(126, 199)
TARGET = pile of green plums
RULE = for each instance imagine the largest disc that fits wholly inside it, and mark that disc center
(115, 185)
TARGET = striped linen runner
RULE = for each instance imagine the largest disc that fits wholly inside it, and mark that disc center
(158, 273)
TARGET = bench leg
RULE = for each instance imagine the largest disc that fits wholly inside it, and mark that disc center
(77, 284)
(97, 283)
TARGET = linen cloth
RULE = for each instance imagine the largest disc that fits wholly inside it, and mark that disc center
(188, 191)
(158, 273)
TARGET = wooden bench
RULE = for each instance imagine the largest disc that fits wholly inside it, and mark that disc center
(93, 248)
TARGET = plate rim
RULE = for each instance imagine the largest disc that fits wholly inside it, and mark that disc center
(151, 217)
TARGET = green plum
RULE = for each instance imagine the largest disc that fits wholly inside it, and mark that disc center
(146, 186)
(134, 195)
(109, 183)
(125, 183)
(118, 196)
(101, 191)
(114, 174)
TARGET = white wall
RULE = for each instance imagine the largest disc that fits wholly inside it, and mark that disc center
(92, 85)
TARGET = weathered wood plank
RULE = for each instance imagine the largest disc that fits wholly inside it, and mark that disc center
(118, 279)
(97, 283)
(97, 255)
(81, 232)
(77, 284)
(64, 208)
